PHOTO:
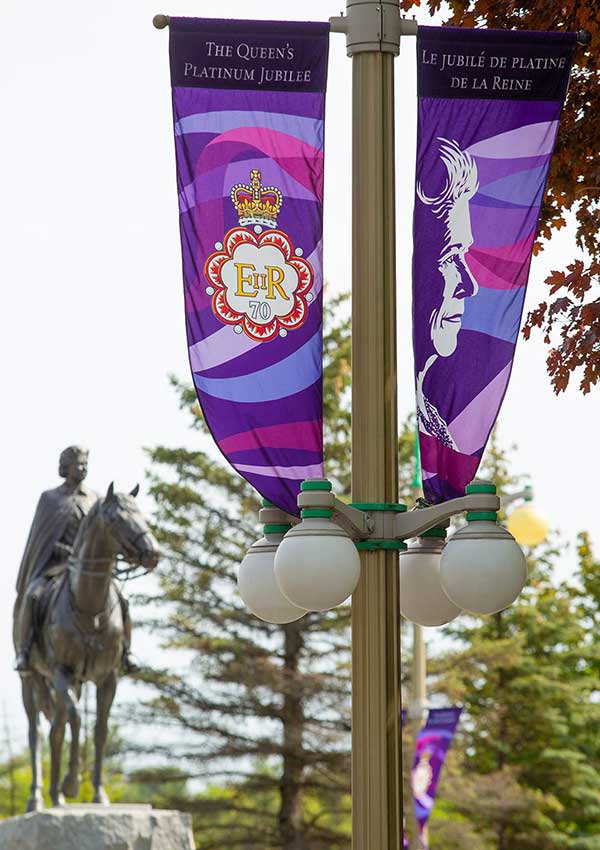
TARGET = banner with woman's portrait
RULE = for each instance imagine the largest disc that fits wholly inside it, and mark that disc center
(488, 115)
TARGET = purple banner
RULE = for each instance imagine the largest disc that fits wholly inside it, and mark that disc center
(248, 106)
(489, 107)
(433, 743)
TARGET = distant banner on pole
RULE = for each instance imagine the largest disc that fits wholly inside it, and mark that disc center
(488, 114)
(248, 106)
(433, 742)
(431, 748)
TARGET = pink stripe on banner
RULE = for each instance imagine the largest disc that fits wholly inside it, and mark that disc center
(206, 186)
(531, 140)
(290, 153)
(456, 468)
(489, 280)
(224, 345)
(470, 429)
(293, 473)
(518, 252)
(297, 435)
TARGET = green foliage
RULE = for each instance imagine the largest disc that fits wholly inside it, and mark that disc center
(259, 714)
(15, 777)
(261, 707)
(337, 417)
(525, 770)
(265, 709)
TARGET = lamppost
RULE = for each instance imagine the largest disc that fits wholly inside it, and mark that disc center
(332, 553)
(338, 550)
(315, 563)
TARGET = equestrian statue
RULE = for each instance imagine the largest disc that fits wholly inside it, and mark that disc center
(71, 623)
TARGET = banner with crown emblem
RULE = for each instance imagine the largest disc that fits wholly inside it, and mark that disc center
(488, 114)
(248, 104)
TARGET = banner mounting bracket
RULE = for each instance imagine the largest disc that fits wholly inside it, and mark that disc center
(373, 26)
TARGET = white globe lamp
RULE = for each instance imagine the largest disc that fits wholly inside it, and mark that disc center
(482, 569)
(526, 524)
(256, 580)
(317, 566)
(422, 599)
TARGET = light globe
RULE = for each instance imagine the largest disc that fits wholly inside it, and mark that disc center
(527, 525)
(317, 565)
(422, 599)
(482, 569)
(257, 585)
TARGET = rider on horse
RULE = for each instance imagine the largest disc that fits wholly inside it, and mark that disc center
(55, 525)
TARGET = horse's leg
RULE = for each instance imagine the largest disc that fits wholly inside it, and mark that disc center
(57, 734)
(105, 694)
(36, 798)
(70, 785)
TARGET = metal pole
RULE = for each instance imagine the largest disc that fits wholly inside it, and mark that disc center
(416, 713)
(376, 708)
(419, 704)
(373, 33)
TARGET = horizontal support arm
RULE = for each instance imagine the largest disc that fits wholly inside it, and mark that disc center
(413, 523)
(385, 522)
(527, 494)
(342, 24)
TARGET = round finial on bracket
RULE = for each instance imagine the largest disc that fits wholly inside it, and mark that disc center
(160, 21)
(584, 37)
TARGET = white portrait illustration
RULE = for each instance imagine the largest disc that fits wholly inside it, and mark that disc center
(456, 283)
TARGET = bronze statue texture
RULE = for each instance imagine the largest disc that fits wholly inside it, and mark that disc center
(71, 623)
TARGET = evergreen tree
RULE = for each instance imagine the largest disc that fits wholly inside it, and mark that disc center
(261, 714)
(525, 769)
(265, 708)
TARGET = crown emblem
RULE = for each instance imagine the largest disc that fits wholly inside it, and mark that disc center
(255, 203)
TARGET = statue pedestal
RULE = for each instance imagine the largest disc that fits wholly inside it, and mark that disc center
(118, 827)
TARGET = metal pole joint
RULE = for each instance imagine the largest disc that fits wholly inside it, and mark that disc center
(373, 26)
(389, 523)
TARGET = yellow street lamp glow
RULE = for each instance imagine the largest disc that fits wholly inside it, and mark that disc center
(528, 526)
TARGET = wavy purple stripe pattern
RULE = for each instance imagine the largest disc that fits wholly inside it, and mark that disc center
(262, 400)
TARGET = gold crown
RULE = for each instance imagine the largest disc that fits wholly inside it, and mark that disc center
(255, 203)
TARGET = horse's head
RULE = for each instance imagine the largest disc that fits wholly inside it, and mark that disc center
(131, 533)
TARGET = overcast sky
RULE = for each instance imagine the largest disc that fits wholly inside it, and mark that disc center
(90, 264)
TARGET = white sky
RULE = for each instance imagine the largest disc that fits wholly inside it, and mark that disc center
(91, 271)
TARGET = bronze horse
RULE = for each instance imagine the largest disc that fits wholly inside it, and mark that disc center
(81, 640)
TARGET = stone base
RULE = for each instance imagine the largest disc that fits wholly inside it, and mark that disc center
(89, 827)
